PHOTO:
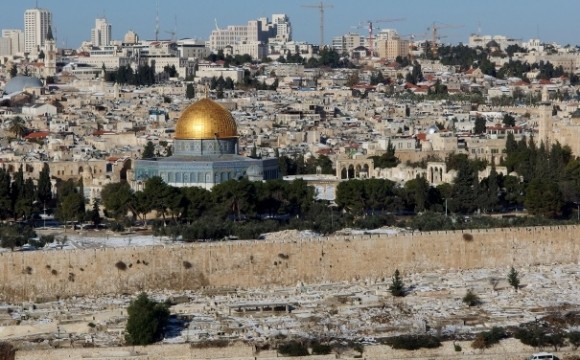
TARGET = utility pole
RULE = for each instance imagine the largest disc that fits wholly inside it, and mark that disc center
(321, 7)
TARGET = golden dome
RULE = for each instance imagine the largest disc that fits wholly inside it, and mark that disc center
(205, 119)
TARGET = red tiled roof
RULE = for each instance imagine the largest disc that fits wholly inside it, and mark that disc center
(37, 135)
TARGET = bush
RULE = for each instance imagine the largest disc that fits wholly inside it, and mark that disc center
(321, 349)
(514, 279)
(414, 342)
(397, 287)
(116, 227)
(121, 265)
(146, 320)
(534, 337)
(293, 348)
(487, 339)
(574, 339)
(471, 299)
(7, 351)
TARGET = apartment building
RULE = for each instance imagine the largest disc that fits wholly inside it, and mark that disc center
(36, 25)
(101, 33)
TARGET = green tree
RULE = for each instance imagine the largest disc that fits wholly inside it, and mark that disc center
(170, 70)
(5, 198)
(44, 187)
(465, 188)
(18, 127)
(95, 212)
(118, 199)
(162, 198)
(417, 193)
(471, 299)
(196, 202)
(235, 198)
(388, 159)
(146, 320)
(190, 91)
(514, 279)
(397, 287)
(509, 120)
(71, 207)
(148, 151)
(479, 127)
(543, 197)
(13, 71)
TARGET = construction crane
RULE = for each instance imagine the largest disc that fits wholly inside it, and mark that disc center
(174, 32)
(369, 24)
(434, 29)
(321, 7)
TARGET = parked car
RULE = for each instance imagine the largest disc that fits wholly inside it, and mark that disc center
(543, 356)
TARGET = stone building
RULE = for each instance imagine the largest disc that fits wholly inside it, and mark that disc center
(205, 152)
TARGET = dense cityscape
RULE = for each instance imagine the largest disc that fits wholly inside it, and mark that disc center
(257, 196)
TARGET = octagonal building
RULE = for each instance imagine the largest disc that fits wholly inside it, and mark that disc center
(205, 149)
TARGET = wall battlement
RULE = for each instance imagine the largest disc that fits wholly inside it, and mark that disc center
(45, 275)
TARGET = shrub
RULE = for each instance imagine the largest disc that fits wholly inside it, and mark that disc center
(487, 339)
(514, 278)
(467, 237)
(121, 265)
(293, 348)
(7, 351)
(414, 342)
(397, 287)
(321, 349)
(145, 321)
(187, 264)
(457, 347)
(471, 299)
(574, 339)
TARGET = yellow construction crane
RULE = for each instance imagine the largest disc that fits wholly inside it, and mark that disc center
(434, 29)
(370, 27)
(321, 7)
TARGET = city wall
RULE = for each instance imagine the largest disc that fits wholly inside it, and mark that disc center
(287, 261)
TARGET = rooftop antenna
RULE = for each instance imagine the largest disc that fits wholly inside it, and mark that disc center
(479, 28)
(216, 24)
(157, 24)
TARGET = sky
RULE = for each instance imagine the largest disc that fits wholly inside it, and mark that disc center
(551, 21)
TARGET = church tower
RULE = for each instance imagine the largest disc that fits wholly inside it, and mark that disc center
(49, 54)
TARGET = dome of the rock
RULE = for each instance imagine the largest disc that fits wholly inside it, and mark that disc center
(205, 119)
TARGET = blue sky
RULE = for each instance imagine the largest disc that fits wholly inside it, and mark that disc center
(555, 20)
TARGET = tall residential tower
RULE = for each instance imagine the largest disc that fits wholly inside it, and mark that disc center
(101, 34)
(36, 24)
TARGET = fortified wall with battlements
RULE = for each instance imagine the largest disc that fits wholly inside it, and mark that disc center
(46, 275)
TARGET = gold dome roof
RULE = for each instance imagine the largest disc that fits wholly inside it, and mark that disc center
(205, 119)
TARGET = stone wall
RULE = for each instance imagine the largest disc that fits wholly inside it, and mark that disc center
(43, 275)
(510, 349)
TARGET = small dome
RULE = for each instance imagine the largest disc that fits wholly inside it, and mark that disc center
(432, 129)
(205, 119)
(20, 82)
